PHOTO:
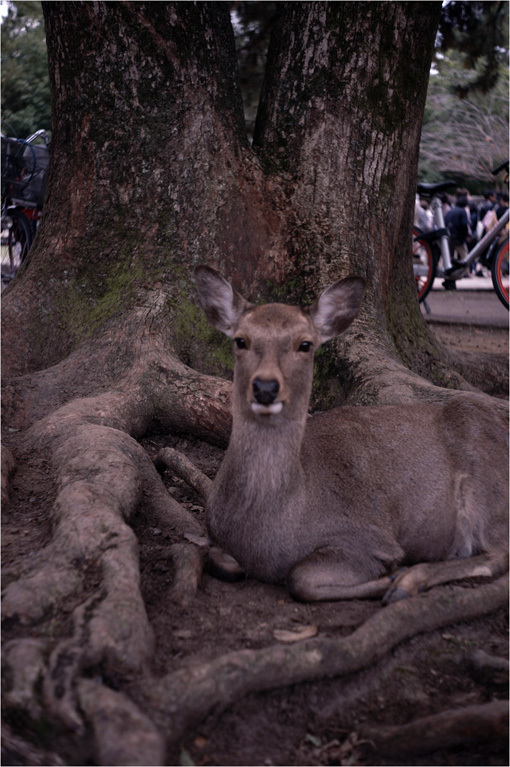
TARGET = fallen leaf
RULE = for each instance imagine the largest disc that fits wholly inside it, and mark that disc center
(305, 632)
(200, 742)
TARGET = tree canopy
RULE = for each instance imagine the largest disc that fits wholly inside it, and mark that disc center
(479, 32)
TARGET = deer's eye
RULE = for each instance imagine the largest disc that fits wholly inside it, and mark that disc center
(305, 346)
(240, 343)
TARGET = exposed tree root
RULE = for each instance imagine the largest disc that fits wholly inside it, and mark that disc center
(16, 750)
(8, 466)
(171, 459)
(122, 733)
(489, 668)
(182, 699)
(189, 562)
(92, 559)
(381, 379)
(448, 729)
(26, 662)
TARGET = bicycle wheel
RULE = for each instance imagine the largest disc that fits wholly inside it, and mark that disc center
(424, 264)
(16, 245)
(499, 272)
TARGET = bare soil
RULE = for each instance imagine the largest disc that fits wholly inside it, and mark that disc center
(473, 338)
(310, 723)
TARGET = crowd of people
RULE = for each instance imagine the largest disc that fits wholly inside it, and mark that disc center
(466, 220)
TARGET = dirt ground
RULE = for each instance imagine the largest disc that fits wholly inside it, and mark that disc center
(307, 724)
(473, 338)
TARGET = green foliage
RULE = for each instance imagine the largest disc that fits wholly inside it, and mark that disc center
(479, 32)
(25, 81)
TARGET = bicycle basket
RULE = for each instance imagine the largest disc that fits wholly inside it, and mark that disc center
(24, 171)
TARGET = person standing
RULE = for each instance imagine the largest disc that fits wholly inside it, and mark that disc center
(457, 224)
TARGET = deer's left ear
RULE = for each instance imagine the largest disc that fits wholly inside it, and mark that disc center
(337, 306)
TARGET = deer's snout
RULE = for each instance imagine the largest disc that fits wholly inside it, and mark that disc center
(265, 392)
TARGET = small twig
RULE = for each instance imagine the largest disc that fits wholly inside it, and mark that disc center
(189, 564)
(182, 467)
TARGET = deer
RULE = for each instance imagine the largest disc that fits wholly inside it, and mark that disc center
(355, 502)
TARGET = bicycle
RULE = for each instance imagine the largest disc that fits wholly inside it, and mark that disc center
(430, 247)
(24, 176)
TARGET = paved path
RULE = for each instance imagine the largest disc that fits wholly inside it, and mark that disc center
(473, 303)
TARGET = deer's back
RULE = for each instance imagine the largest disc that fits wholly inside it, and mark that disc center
(433, 477)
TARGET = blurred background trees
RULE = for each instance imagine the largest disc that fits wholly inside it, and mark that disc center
(465, 129)
(463, 138)
(465, 126)
(25, 82)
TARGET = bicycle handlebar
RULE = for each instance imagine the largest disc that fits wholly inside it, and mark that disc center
(38, 134)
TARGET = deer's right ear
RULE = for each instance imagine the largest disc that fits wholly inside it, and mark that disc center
(222, 304)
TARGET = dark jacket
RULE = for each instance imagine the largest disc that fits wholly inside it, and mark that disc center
(456, 221)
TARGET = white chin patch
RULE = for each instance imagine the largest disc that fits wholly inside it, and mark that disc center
(267, 409)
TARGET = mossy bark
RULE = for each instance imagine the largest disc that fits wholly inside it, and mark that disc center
(151, 174)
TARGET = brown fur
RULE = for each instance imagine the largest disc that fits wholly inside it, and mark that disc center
(336, 501)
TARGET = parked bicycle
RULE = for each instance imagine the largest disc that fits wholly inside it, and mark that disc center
(24, 176)
(429, 247)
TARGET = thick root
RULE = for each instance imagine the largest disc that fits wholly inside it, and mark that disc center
(92, 560)
(184, 698)
(25, 661)
(122, 733)
(446, 730)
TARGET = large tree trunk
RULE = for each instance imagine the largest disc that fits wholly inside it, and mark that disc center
(151, 174)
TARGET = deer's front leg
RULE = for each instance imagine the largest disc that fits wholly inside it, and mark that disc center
(427, 574)
(223, 566)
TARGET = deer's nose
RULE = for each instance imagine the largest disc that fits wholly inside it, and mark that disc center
(265, 392)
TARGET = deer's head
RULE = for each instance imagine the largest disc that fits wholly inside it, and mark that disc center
(275, 343)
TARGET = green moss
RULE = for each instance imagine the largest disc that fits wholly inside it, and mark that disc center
(330, 381)
(197, 343)
(88, 300)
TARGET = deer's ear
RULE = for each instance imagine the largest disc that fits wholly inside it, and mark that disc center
(335, 309)
(222, 305)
